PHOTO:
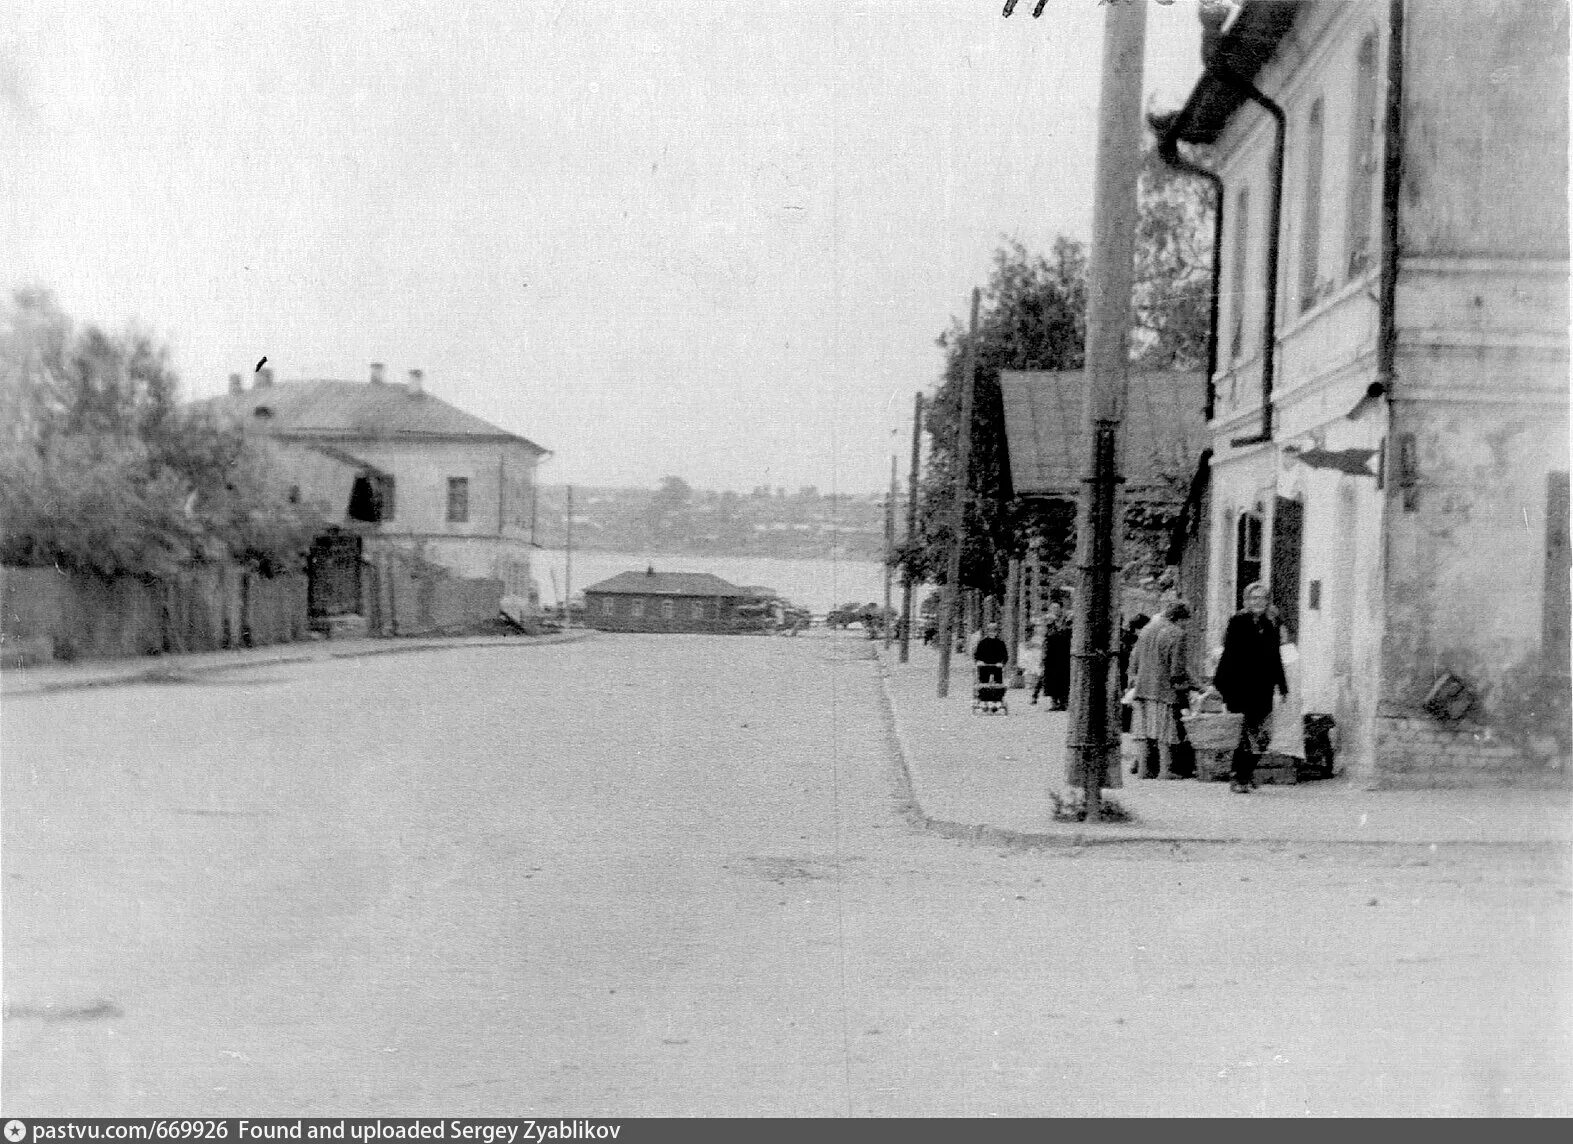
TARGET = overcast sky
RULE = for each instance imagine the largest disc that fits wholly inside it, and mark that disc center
(712, 238)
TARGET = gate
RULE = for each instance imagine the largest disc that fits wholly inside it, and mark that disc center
(333, 572)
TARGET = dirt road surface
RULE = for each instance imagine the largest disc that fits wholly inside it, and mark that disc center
(649, 875)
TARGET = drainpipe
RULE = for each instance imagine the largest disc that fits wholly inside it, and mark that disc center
(1392, 185)
(1270, 326)
(1169, 152)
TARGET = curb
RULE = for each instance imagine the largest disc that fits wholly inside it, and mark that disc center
(172, 670)
(912, 812)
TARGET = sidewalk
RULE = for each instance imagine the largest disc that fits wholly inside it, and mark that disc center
(990, 776)
(161, 668)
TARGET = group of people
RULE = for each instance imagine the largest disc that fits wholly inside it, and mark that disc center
(1250, 673)
(1155, 668)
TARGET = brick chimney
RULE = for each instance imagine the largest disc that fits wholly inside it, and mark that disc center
(417, 383)
(236, 386)
(376, 373)
(264, 378)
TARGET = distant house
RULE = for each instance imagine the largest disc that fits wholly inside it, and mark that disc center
(401, 467)
(652, 601)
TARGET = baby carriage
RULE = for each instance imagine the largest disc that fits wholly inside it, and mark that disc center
(988, 693)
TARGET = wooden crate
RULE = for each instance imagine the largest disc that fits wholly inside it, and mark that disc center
(1277, 770)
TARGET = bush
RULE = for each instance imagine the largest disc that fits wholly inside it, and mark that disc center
(102, 471)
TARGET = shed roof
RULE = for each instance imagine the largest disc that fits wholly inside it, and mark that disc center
(1164, 431)
(356, 409)
(666, 584)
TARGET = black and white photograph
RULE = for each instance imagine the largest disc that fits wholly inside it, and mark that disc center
(573, 563)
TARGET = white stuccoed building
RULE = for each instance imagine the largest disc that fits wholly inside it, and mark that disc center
(402, 467)
(1389, 412)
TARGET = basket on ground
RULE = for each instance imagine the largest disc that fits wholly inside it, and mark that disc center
(1214, 732)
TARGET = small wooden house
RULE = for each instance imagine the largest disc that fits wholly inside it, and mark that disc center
(652, 601)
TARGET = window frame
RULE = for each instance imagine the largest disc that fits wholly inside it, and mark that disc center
(459, 499)
(1239, 271)
(1364, 161)
(1311, 214)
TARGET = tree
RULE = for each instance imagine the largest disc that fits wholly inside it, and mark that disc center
(1034, 317)
(104, 471)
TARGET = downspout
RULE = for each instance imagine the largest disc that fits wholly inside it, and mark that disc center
(1392, 187)
(1169, 152)
(1270, 325)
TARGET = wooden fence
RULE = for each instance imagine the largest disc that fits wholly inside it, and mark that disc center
(47, 614)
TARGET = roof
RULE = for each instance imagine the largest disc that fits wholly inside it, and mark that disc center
(1243, 47)
(1163, 431)
(666, 584)
(357, 409)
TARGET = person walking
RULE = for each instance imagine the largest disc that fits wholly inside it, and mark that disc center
(1159, 667)
(1249, 672)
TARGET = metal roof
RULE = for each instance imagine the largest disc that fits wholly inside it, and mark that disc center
(355, 409)
(666, 584)
(1163, 431)
(1243, 47)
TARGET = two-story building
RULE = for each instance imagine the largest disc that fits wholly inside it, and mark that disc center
(1388, 408)
(400, 465)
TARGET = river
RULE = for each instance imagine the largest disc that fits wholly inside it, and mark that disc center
(816, 584)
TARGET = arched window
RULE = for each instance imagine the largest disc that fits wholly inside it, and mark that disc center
(1311, 219)
(1363, 160)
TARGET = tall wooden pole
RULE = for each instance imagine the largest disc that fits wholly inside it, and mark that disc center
(952, 598)
(890, 549)
(1013, 622)
(1093, 745)
(912, 529)
(568, 566)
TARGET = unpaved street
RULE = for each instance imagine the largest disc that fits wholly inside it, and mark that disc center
(646, 875)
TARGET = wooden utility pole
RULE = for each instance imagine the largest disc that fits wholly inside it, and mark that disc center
(952, 598)
(912, 531)
(1013, 622)
(890, 548)
(1092, 747)
(568, 566)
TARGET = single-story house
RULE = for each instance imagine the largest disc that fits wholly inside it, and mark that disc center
(652, 601)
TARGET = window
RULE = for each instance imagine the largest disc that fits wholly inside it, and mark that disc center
(1311, 221)
(668, 609)
(636, 607)
(699, 609)
(1237, 285)
(608, 606)
(371, 498)
(458, 499)
(1363, 159)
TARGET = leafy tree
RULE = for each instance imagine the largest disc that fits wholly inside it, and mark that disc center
(104, 471)
(1033, 316)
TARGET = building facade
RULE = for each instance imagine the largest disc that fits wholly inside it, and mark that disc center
(652, 601)
(404, 468)
(1389, 402)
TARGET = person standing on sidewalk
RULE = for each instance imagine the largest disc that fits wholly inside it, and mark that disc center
(1163, 685)
(1248, 674)
(1054, 668)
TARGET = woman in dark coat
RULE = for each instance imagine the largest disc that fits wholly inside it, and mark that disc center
(1248, 674)
(1054, 676)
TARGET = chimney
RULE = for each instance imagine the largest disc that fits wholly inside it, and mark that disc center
(415, 387)
(264, 378)
(376, 373)
(236, 386)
